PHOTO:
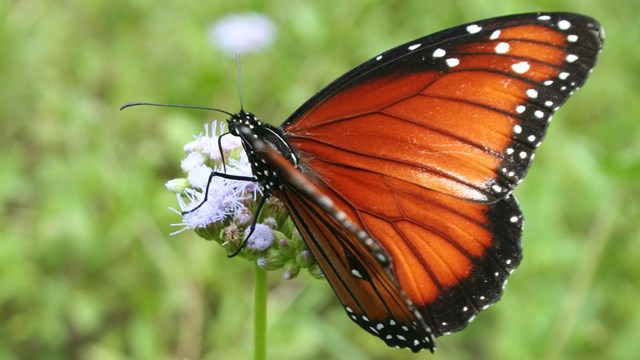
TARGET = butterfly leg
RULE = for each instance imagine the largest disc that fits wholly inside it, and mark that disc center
(224, 176)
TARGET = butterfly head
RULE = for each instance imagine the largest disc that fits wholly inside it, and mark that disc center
(242, 120)
(255, 136)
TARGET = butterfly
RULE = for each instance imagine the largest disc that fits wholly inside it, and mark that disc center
(399, 174)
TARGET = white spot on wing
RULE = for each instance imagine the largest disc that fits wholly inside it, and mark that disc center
(564, 24)
(532, 93)
(571, 58)
(521, 67)
(414, 46)
(473, 28)
(438, 53)
(452, 62)
(325, 201)
(502, 48)
(495, 35)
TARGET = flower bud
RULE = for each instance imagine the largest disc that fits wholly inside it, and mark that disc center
(261, 238)
(177, 186)
(243, 216)
(305, 258)
(315, 271)
(291, 271)
(272, 260)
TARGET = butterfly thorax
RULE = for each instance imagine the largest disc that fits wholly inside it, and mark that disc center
(246, 125)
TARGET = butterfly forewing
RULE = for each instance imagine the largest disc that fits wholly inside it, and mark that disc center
(460, 112)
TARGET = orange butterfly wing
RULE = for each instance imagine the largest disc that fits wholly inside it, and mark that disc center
(460, 112)
(356, 266)
(451, 257)
(438, 260)
(399, 173)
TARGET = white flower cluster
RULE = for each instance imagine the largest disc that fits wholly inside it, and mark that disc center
(232, 215)
(225, 197)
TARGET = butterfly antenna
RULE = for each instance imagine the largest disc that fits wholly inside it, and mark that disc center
(140, 103)
(239, 81)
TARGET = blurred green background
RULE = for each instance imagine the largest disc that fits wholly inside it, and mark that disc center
(88, 270)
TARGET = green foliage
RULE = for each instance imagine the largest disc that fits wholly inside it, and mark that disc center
(88, 271)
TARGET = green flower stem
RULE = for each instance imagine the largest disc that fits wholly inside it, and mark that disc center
(260, 314)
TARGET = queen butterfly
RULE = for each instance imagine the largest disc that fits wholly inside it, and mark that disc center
(398, 175)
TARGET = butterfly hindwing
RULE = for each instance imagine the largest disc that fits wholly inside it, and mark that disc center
(358, 269)
(450, 257)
